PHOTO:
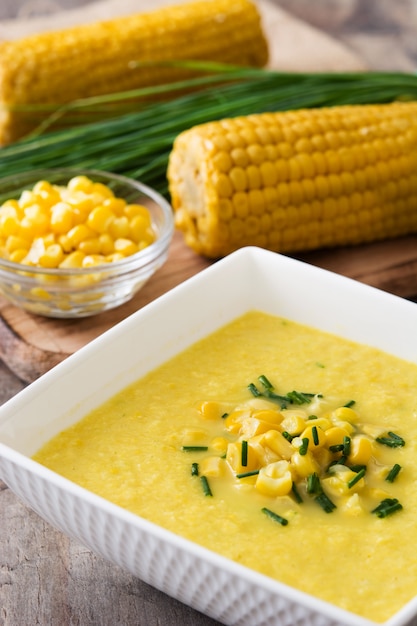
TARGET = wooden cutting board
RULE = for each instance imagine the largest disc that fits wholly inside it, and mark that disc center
(30, 345)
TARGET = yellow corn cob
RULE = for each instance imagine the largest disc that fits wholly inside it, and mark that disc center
(297, 180)
(94, 59)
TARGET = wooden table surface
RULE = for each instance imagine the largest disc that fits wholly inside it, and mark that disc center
(49, 579)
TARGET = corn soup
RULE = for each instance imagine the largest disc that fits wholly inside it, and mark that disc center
(284, 448)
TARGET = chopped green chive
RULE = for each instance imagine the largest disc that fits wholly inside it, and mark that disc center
(304, 446)
(392, 441)
(312, 417)
(396, 437)
(346, 446)
(246, 474)
(386, 441)
(254, 390)
(393, 473)
(206, 486)
(356, 478)
(194, 469)
(315, 434)
(293, 397)
(314, 487)
(313, 484)
(340, 461)
(224, 416)
(297, 397)
(337, 447)
(357, 468)
(296, 493)
(194, 448)
(244, 459)
(274, 516)
(387, 507)
(326, 504)
(349, 404)
(265, 382)
(283, 401)
(287, 436)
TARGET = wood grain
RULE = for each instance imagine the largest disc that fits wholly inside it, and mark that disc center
(388, 265)
(77, 588)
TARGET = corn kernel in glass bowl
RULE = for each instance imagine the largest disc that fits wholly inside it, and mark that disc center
(89, 240)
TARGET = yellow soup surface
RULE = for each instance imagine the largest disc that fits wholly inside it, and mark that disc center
(284, 448)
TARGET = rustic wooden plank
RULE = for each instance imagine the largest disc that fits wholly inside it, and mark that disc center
(388, 265)
(48, 579)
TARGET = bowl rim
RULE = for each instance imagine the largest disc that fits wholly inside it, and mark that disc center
(147, 255)
(170, 306)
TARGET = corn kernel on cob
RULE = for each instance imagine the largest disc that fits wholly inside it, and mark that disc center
(95, 59)
(297, 180)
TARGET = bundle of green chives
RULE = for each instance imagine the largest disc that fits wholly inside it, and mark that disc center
(138, 143)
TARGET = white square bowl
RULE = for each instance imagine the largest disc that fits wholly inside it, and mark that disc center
(248, 279)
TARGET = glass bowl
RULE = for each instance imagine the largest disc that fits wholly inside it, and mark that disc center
(82, 292)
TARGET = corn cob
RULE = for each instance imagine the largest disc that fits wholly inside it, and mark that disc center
(101, 58)
(297, 180)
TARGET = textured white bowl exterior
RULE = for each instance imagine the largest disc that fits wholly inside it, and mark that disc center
(248, 279)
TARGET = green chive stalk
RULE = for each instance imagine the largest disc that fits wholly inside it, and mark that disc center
(134, 139)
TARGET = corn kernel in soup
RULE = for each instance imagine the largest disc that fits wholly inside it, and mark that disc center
(286, 449)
